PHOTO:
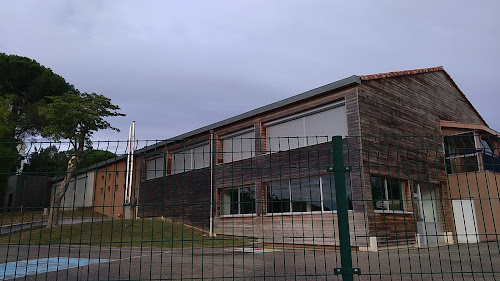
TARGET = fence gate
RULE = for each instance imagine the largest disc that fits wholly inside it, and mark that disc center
(241, 208)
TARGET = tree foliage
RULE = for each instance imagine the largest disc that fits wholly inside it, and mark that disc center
(25, 86)
(75, 117)
(51, 162)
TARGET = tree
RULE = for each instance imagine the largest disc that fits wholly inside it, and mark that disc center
(24, 88)
(8, 150)
(25, 85)
(49, 161)
(75, 117)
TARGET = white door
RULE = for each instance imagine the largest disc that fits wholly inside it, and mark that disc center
(464, 213)
(430, 229)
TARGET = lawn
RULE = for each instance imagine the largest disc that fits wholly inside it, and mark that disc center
(7, 218)
(122, 233)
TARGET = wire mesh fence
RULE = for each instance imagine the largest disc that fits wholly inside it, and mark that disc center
(245, 208)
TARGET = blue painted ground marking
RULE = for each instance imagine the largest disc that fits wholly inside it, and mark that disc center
(29, 267)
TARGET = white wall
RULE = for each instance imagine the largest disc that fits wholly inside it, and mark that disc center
(79, 195)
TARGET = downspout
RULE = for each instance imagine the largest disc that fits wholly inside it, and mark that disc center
(212, 162)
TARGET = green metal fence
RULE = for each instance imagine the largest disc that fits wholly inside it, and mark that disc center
(314, 208)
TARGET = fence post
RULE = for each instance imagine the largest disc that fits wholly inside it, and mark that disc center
(339, 171)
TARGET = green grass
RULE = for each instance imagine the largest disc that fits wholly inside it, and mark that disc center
(8, 218)
(122, 233)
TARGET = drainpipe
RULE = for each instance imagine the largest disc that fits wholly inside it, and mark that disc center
(212, 162)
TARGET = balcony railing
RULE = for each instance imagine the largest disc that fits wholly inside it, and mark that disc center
(469, 163)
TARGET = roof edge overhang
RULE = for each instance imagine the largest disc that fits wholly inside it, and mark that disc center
(458, 125)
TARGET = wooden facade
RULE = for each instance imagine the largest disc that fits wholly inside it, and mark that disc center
(401, 105)
(109, 189)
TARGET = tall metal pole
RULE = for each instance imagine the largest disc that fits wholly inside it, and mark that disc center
(212, 163)
(339, 170)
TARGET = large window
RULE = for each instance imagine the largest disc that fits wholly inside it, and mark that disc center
(237, 146)
(388, 194)
(192, 158)
(312, 127)
(155, 167)
(238, 200)
(304, 195)
(460, 153)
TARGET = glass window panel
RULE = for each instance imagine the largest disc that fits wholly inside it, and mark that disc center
(459, 144)
(325, 125)
(378, 193)
(155, 167)
(238, 200)
(201, 157)
(239, 147)
(286, 136)
(329, 194)
(278, 200)
(247, 200)
(182, 161)
(395, 189)
(486, 146)
(306, 195)
(229, 201)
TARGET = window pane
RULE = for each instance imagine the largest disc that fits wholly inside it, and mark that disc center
(247, 197)
(155, 167)
(229, 201)
(286, 136)
(239, 147)
(321, 125)
(461, 144)
(395, 194)
(329, 194)
(201, 157)
(182, 161)
(306, 196)
(378, 193)
(278, 197)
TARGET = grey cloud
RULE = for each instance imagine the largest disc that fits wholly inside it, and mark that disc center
(174, 66)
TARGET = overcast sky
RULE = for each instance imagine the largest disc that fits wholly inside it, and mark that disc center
(174, 66)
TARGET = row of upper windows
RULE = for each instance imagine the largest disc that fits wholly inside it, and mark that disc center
(312, 127)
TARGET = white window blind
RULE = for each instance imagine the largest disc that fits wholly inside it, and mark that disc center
(312, 127)
(201, 156)
(155, 167)
(192, 158)
(238, 146)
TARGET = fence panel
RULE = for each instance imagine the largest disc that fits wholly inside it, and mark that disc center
(245, 208)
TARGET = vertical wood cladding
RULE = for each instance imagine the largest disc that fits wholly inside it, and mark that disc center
(183, 197)
(406, 106)
(109, 189)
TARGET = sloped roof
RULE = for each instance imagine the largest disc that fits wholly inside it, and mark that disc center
(420, 71)
(400, 73)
